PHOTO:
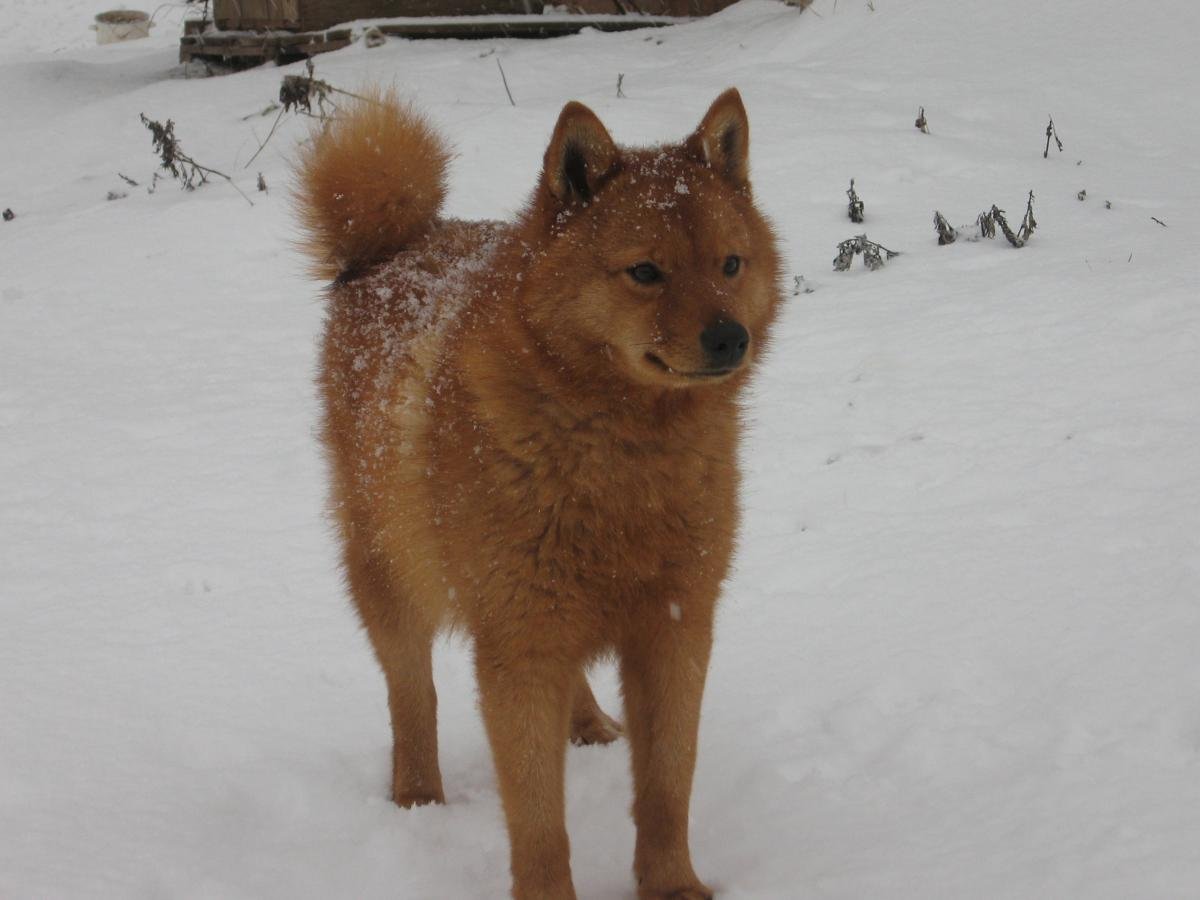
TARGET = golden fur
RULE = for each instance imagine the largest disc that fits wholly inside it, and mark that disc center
(532, 442)
(380, 177)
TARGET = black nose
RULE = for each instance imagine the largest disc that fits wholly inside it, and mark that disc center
(724, 344)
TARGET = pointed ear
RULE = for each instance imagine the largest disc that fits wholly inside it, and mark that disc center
(580, 157)
(722, 142)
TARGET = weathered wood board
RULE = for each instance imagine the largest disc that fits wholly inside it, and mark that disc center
(248, 46)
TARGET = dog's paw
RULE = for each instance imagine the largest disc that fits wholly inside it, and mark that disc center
(677, 882)
(409, 799)
(691, 892)
(597, 728)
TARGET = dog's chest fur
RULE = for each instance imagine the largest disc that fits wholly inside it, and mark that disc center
(585, 516)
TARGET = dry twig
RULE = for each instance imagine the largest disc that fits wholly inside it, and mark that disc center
(996, 217)
(265, 111)
(298, 93)
(189, 173)
(947, 233)
(800, 286)
(1051, 133)
(873, 254)
(270, 134)
(505, 80)
(855, 208)
(987, 222)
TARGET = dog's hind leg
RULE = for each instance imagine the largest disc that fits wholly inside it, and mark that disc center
(589, 723)
(403, 640)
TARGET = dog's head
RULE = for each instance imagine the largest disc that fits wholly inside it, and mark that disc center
(652, 263)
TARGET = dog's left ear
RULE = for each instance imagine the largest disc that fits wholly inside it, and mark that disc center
(722, 142)
(580, 157)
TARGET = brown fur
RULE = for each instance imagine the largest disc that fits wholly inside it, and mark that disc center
(370, 186)
(525, 446)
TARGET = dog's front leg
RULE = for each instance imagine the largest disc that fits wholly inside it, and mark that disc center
(664, 661)
(526, 702)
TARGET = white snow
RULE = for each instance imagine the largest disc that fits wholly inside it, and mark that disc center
(960, 653)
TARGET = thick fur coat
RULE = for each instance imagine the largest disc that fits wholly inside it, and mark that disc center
(533, 433)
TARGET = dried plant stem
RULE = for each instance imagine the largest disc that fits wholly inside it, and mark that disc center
(855, 207)
(189, 173)
(505, 80)
(1051, 132)
(297, 93)
(947, 233)
(987, 222)
(873, 254)
(270, 134)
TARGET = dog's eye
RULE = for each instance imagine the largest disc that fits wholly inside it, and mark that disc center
(732, 265)
(645, 273)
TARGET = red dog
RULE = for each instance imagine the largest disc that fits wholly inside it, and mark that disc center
(533, 429)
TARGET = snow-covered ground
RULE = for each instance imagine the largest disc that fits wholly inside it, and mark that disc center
(960, 654)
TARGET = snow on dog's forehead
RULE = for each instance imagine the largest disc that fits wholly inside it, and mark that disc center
(664, 186)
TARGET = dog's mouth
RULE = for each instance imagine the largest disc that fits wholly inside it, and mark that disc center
(699, 374)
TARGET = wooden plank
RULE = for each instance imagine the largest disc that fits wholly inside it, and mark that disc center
(314, 15)
(652, 7)
(257, 45)
(317, 14)
(316, 49)
(247, 14)
(340, 35)
(214, 46)
(523, 27)
(245, 46)
(257, 51)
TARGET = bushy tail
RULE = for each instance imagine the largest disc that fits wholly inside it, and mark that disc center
(369, 184)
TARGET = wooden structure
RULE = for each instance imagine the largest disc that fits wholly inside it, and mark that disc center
(249, 32)
(248, 48)
(316, 15)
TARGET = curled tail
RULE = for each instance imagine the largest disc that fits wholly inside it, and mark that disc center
(369, 185)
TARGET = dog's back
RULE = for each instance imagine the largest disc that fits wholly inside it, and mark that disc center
(371, 187)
